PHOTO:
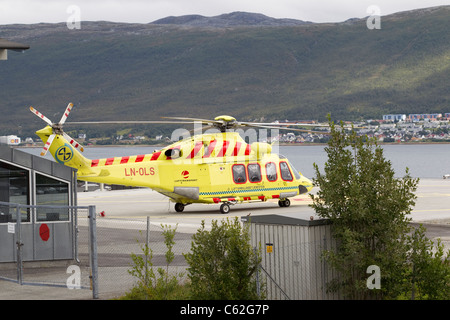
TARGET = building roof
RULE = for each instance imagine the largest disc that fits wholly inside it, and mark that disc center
(37, 163)
(284, 220)
(10, 45)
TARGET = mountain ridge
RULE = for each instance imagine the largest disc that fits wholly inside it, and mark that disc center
(117, 71)
(237, 18)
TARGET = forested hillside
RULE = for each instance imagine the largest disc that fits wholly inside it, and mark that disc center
(117, 71)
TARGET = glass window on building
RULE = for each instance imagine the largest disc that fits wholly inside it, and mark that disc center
(14, 188)
(51, 192)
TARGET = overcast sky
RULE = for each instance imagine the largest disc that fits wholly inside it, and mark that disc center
(144, 11)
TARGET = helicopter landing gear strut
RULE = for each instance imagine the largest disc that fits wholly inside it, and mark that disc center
(284, 203)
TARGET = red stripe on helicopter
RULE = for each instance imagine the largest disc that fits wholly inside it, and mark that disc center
(275, 196)
(237, 147)
(261, 198)
(195, 150)
(124, 160)
(216, 200)
(211, 147)
(248, 149)
(247, 198)
(109, 161)
(94, 163)
(140, 158)
(155, 155)
(223, 151)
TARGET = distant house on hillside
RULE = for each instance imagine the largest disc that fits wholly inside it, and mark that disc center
(394, 117)
(425, 116)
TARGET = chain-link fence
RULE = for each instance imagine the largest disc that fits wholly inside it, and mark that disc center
(75, 247)
(117, 239)
(39, 243)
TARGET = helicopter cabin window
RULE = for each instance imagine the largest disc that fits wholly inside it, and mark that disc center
(285, 172)
(296, 174)
(239, 175)
(254, 172)
(271, 171)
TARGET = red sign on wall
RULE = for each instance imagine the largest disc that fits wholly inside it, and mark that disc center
(44, 232)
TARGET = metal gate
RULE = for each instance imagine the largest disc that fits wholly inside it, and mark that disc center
(39, 244)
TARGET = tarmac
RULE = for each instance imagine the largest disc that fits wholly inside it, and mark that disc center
(432, 209)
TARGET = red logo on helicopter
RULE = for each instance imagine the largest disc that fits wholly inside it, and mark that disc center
(185, 174)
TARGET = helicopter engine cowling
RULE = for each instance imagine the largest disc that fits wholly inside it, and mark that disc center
(174, 153)
(261, 148)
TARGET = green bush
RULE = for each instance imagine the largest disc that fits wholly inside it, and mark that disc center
(222, 263)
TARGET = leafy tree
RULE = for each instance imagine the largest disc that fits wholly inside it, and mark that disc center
(368, 209)
(429, 274)
(222, 263)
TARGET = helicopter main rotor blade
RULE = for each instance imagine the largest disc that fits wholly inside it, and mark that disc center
(127, 122)
(192, 120)
(40, 115)
(301, 125)
(250, 124)
(206, 122)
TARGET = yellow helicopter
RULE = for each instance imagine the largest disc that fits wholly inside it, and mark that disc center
(217, 168)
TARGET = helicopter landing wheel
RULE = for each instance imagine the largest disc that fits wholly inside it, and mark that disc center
(284, 203)
(225, 208)
(179, 207)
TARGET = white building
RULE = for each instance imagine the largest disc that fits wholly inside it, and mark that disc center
(10, 140)
(394, 117)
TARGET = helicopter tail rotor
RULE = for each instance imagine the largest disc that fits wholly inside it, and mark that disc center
(57, 129)
(40, 115)
(66, 113)
(47, 145)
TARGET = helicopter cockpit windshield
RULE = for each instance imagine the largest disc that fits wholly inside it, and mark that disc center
(296, 173)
